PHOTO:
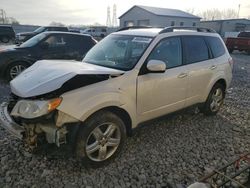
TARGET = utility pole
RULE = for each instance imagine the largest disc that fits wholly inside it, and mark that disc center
(239, 11)
(108, 22)
(2, 16)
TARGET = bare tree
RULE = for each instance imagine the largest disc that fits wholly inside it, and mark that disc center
(216, 14)
(190, 10)
(56, 24)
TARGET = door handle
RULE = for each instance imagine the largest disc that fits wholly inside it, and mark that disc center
(182, 75)
(213, 67)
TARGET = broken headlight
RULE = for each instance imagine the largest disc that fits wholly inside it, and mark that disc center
(30, 109)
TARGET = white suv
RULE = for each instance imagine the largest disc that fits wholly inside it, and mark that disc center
(128, 78)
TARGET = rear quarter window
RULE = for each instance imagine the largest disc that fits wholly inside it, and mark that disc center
(216, 46)
(195, 49)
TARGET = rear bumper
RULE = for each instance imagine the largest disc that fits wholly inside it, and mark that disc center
(7, 122)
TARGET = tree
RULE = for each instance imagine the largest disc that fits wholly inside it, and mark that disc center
(56, 24)
(216, 14)
(12, 21)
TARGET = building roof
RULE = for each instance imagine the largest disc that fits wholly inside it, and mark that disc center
(225, 20)
(164, 12)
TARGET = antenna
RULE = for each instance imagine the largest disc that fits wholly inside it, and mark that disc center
(108, 22)
(114, 20)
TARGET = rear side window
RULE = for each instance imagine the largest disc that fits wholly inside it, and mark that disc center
(195, 49)
(216, 46)
(244, 34)
(79, 42)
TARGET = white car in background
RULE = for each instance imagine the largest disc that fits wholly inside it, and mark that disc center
(97, 31)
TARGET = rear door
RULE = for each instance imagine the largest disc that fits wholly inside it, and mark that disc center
(56, 47)
(200, 66)
(77, 46)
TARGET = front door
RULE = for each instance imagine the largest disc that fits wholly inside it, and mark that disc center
(161, 93)
(56, 48)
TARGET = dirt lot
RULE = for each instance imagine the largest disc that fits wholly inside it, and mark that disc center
(176, 149)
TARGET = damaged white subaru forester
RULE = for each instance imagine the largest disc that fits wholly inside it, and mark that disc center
(129, 77)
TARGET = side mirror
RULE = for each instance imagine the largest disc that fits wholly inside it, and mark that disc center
(156, 66)
(44, 45)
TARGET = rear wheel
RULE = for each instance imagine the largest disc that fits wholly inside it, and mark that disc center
(101, 138)
(5, 39)
(15, 69)
(214, 101)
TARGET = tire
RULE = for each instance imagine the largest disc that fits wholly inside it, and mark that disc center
(100, 138)
(214, 101)
(14, 69)
(5, 39)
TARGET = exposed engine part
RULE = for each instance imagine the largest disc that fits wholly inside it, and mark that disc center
(52, 133)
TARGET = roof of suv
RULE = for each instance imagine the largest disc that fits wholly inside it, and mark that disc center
(152, 32)
(148, 32)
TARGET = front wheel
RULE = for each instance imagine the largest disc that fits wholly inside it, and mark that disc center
(100, 138)
(214, 101)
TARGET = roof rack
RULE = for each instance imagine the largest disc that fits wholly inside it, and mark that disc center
(133, 27)
(198, 29)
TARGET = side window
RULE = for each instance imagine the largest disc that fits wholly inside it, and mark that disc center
(195, 49)
(56, 41)
(216, 46)
(168, 50)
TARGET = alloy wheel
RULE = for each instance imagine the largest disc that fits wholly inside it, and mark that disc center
(103, 141)
(16, 70)
(217, 100)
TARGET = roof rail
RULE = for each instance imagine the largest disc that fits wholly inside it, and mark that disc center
(198, 29)
(133, 27)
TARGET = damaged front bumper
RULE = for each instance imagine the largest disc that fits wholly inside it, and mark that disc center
(53, 127)
(7, 122)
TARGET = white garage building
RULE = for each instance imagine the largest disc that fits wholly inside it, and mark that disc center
(157, 17)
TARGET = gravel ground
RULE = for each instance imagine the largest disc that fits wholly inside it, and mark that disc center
(176, 149)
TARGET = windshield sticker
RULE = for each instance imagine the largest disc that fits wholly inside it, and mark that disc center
(141, 39)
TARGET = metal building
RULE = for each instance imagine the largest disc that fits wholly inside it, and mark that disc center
(228, 25)
(157, 17)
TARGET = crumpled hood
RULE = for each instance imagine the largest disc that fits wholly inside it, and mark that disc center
(48, 75)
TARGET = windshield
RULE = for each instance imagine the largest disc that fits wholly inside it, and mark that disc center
(33, 41)
(118, 51)
(39, 29)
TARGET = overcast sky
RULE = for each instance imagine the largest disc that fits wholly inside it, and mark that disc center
(43, 12)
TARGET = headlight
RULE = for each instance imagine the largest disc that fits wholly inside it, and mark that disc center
(30, 109)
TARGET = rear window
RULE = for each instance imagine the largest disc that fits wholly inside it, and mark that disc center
(216, 46)
(244, 34)
(6, 29)
(195, 49)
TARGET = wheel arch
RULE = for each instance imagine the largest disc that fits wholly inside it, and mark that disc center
(8, 65)
(121, 113)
